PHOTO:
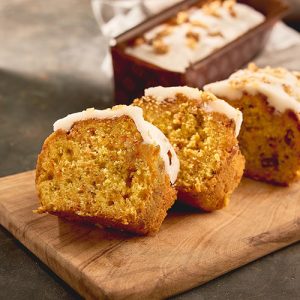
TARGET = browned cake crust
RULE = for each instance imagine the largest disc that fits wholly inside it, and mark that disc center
(102, 172)
(269, 141)
(211, 164)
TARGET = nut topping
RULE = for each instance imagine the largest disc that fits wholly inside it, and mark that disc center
(198, 23)
(229, 5)
(164, 32)
(159, 46)
(181, 17)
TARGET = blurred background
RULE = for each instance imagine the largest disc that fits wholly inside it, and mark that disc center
(293, 19)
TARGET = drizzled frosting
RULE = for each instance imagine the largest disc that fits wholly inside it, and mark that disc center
(150, 134)
(280, 86)
(161, 93)
(198, 33)
(214, 105)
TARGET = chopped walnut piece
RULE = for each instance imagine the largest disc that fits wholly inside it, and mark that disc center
(139, 41)
(208, 96)
(239, 83)
(216, 14)
(198, 24)
(181, 17)
(233, 12)
(287, 88)
(191, 43)
(212, 8)
(278, 72)
(159, 46)
(265, 80)
(229, 5)
(164, 32)
(215, 33)
(193, 35)
(192, 39)
(215, 4)
(253, 67)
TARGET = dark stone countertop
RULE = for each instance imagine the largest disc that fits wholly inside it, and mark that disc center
(50, 58)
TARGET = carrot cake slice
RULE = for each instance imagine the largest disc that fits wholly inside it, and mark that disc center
(109, 167)
(270, 135)
(203, 131)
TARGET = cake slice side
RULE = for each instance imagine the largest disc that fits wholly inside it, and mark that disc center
(101, 171)
(211, 164)
(269, 141)
(270, 135)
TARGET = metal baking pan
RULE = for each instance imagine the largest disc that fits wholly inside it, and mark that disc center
(132, 75)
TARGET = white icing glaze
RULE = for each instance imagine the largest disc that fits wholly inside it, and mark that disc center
(150, 134)
(216, 105)
(180, 56)
(161, 93)
(223, 107)
(281, 87)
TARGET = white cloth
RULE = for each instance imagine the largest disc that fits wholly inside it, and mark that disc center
(282, 37)
(282, 49)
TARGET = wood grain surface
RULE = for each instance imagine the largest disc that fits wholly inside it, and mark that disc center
(190, 249)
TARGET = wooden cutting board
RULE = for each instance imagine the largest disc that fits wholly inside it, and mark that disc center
(190, 249)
